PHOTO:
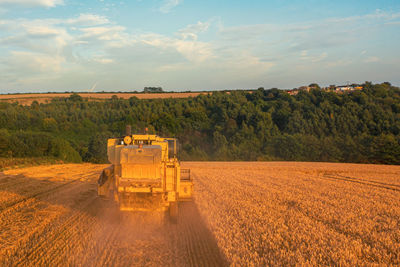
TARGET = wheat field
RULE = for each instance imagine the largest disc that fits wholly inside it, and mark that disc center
(27, 99)
(243, 214)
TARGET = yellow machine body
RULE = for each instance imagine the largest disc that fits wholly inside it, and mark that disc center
(145, 174)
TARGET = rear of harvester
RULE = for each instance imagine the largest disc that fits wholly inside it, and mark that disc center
(145, 174)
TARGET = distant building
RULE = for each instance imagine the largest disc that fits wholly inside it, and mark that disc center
(331, 88)
(305, 88)
(343, 88)
(153, 90)
(347, 88)
(295, 91)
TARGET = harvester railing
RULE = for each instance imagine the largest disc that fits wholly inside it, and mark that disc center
(185, 175)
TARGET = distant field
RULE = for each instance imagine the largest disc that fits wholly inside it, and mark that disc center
(243, 214)
(27, 99)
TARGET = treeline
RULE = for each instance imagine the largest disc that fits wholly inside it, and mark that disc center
(361, 126)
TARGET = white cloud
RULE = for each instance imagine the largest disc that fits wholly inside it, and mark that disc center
(393, 23)
(104, 33)
(320, 34)
(192, 50)
(88, 20)
(168, 5)
(192, 31)
(339, 63)
(103, 60)
(32, 3)
(372, 59)
(304, 55)
(41, 36)
(378, 14)
(40, 30)
(32, 63)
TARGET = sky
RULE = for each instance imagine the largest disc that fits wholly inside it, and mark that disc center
(180, 45)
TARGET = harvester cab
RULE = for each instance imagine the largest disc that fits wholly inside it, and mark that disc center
(145, 174)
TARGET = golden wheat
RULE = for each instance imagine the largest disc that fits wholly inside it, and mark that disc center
(301, 213)
(255, 214)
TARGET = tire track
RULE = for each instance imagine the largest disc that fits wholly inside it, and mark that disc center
(41, 193)
(9, 179)
(74, 234)
(365, 180)
(361, 181)
(74, 195)
(55, 235)
(5, 177)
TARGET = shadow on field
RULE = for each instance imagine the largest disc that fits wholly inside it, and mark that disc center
(195, 239)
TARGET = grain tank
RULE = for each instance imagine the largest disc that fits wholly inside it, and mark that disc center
(145, 174)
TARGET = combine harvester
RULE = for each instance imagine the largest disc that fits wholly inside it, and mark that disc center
(145, 174)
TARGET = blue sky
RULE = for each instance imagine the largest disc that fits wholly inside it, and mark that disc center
(68, 45)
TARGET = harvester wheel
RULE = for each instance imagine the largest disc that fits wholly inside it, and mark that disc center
(173, 211)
